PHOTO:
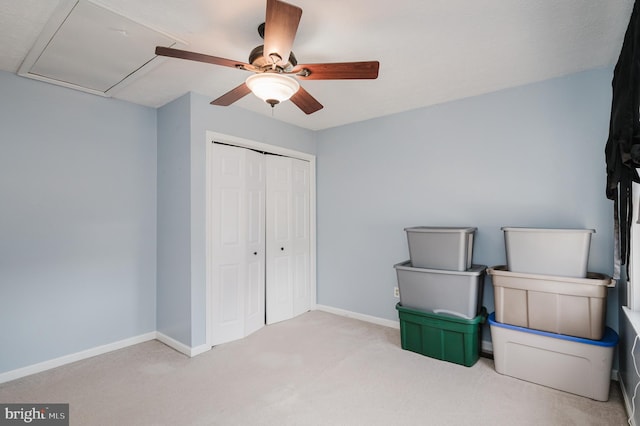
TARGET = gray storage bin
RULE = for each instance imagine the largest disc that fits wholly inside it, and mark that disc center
(560, 252)
(436, 247)
(457, 293)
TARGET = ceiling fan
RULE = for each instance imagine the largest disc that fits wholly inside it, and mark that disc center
(273, 64)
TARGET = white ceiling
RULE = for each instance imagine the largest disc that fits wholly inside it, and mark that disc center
(430, 51)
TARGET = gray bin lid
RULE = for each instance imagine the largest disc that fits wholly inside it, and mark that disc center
(521, 229)
(466, 230)
(474, 270)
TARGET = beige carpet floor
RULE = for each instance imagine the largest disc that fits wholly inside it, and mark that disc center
(317, 369)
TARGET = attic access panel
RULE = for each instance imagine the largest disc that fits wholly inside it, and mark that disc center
(88, 47)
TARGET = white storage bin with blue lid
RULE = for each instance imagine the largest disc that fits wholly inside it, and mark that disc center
(439, 247)
(570, 364)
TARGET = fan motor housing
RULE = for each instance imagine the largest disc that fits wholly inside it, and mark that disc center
(257, 59)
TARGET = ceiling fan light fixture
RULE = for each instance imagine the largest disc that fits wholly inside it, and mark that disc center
(271, 87)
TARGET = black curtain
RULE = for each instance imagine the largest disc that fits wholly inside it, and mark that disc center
(623, 145)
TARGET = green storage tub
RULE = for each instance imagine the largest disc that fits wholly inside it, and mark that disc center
(440, 336)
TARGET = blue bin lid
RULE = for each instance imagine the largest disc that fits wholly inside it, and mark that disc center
(609, 339)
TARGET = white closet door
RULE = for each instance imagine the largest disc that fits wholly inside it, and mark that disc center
(279, 229)
(287, 242)
(238, 242)
(255, 196)
(301, 240)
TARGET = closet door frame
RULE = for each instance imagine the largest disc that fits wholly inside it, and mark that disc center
(272, 149)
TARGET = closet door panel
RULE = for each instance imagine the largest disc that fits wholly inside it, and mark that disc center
(230, 216)
(231, 277)
(301, 296)
(281, 222)
(282, 291)
(301, 240)
(301, 215)
(287, 238)
(228, 247)
(279, 229)
(254, 297)
(278, 297)
(255, 180)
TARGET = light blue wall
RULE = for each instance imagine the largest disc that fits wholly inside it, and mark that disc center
(173, 308)
(77, 221)
(530, 156)
(182, 128)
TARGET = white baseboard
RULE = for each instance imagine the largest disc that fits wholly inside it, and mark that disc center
(181, 347)
(78, 356)
(199, 350)
(356, 315)
(99, 350)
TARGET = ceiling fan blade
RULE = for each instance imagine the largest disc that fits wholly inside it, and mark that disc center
(232, 96)
(307, 103)
(281, 25)
(338, 71)
(201, 57)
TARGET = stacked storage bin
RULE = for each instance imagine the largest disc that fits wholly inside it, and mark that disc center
(441, 295)
(549, 321)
